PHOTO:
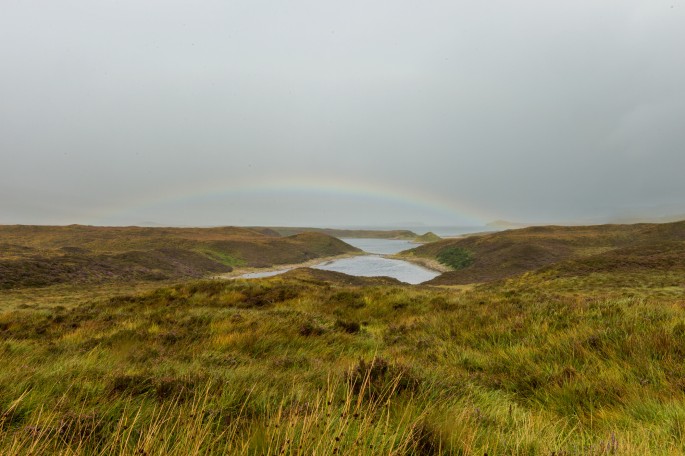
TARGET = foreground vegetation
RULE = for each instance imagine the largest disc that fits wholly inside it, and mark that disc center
(305, 364)
(554, 340)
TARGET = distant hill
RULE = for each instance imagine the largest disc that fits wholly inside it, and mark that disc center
(45, 255)
(427, 237)
(342, 233)
(495, 256)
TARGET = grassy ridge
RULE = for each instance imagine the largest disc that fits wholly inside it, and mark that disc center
(497, 256)
(33, 256)
(427, 237)
(309, 364)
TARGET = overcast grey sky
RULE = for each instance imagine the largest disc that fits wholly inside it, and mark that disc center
(340, 113)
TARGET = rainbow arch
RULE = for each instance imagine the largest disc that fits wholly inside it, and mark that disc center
(452, 209)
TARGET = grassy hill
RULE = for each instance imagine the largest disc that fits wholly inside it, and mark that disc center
(496, 256)
(46, 255)
(314, 362)
(577, 348)
(427, 237)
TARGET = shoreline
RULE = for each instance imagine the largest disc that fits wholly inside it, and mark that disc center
(237, 272)
(427, 263)
(431, 265)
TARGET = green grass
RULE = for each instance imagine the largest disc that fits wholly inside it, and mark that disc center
(572, 344)
(222, 257)
(455, 257)
(427, 237)
(533, 365)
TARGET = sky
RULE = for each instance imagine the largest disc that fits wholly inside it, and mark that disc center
(329, 113)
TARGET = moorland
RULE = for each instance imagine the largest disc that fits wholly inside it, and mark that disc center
(541, 340)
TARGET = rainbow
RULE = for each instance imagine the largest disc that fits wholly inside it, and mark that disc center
(449, 209)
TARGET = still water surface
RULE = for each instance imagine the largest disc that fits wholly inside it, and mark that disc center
(371, 265)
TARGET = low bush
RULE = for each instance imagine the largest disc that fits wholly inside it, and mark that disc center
(455, 257)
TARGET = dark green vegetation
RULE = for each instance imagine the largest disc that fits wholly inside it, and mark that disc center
(455, 257)
(342, 233)
(583, 249)
(582, 356)
(33, 256)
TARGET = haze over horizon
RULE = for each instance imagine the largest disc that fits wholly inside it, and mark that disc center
(341, 114)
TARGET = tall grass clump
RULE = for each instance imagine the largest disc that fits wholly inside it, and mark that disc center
(525, 366)
(341, 418)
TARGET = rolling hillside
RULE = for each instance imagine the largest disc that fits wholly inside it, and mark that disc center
(506, 254)
(46, 255)
(314, 362)
(574, 345)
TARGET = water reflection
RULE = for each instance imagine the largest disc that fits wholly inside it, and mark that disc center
(370, 265)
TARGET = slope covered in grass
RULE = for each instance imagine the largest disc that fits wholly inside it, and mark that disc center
(304, 365)
(579, 354)
(496, 256)
(427, 237)
(648, 258)
(47, 255)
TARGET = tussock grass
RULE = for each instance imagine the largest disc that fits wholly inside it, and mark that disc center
(539, 364)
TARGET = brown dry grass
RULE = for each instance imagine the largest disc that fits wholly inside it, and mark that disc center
(36, 256)
(509, 253)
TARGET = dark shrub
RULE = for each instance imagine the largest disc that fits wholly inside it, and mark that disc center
(440, 303)
(426, 441)
(173, 388)
(130, 384)
(350, 299)
(455, 257)
(399, 305)
(170, 337)
(350, 327)
(310, 329)
(263, 296)
(378, 377)
(395, 333)
(12, 417)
